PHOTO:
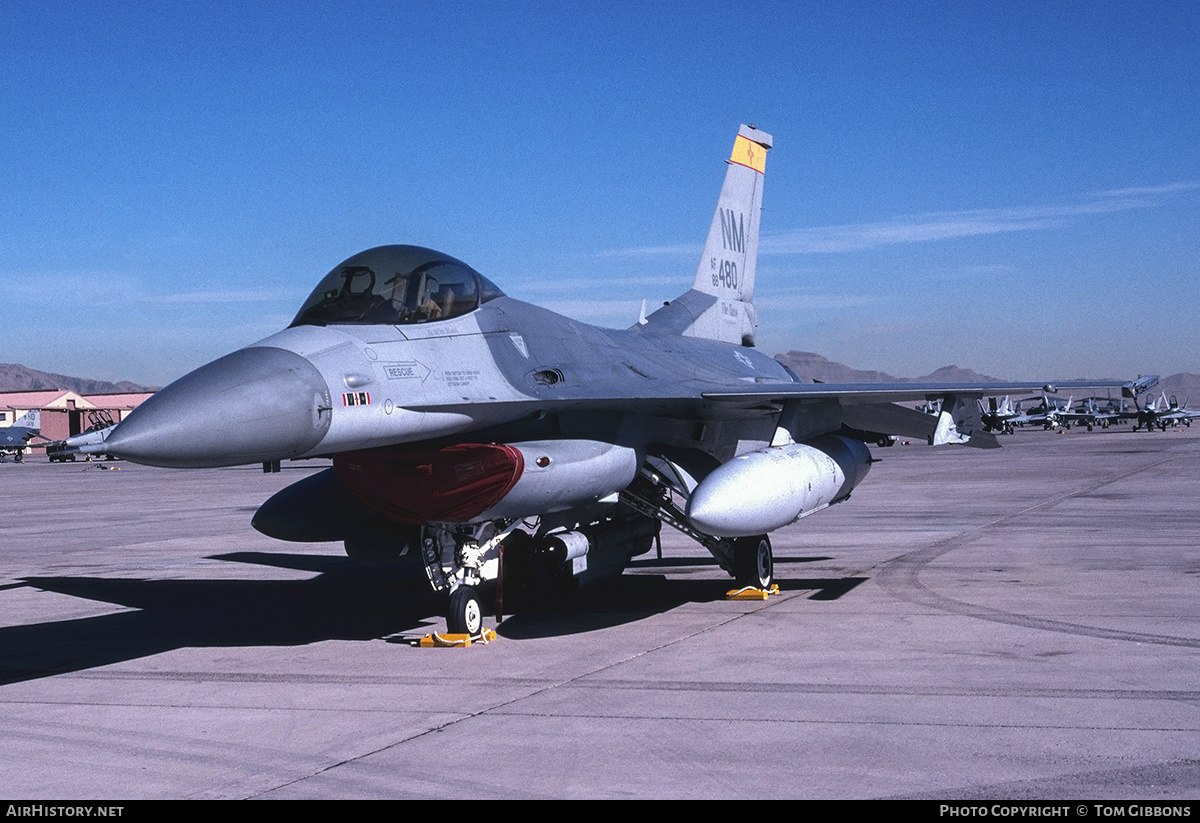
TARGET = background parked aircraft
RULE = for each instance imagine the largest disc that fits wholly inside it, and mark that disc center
(15, 438)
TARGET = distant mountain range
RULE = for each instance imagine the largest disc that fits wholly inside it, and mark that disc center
(14, 377)
(812, 366)
(809, 366)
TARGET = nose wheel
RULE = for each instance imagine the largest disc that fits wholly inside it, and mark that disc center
(753, 563)
(465, 615)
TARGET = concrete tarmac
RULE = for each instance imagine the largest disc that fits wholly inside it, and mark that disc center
(1021, 623)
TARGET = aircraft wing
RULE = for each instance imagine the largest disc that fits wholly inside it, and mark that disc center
(871, 407)
(17, 437)
(870, 393)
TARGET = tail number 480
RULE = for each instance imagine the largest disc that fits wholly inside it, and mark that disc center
(726, 274)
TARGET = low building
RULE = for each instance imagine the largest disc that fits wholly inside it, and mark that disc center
(64, 413)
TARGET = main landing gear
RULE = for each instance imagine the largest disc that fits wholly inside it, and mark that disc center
(481, 565)
(753, 563)
(748, 560)
(465, 560)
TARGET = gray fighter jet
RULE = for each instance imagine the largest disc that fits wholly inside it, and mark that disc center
(1002, 416)
(15, 439)
(513, 449)
(1163, 413)
(1176, 414)
(1090, 414)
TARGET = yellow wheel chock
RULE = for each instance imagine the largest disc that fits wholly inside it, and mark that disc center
(751, 593)
(454, 641)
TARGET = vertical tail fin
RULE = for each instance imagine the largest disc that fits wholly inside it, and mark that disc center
(720, 305)
(31, 419)
(730, 256)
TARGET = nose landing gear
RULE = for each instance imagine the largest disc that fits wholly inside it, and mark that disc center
(465, 615)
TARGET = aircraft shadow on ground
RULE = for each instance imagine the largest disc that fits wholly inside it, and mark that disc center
(823, 588)
(344, 601)
(633, 597)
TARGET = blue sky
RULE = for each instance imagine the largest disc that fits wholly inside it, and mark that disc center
(1013, 187)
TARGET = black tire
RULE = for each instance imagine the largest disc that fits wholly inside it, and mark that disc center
(466, 613)
(753, 563)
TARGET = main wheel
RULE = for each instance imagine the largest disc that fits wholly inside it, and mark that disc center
(753, 564)
(466, 614)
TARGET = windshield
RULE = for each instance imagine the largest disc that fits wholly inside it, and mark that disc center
(396, 285)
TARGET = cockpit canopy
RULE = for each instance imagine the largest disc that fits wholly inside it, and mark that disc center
(396, 285)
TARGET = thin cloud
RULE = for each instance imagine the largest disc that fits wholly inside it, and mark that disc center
(777, 299)
(692, 249)
(259, 296)
(934, 226)
(938, 226)
(575, 285)
(1151, 191)
(110, 288)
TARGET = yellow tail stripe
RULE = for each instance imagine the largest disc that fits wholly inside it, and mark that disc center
(750, 154)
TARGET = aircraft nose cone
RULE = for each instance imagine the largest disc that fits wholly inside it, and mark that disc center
(254, 405)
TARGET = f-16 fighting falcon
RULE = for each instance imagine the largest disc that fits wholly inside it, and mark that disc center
(513, 449)
(15, 439)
